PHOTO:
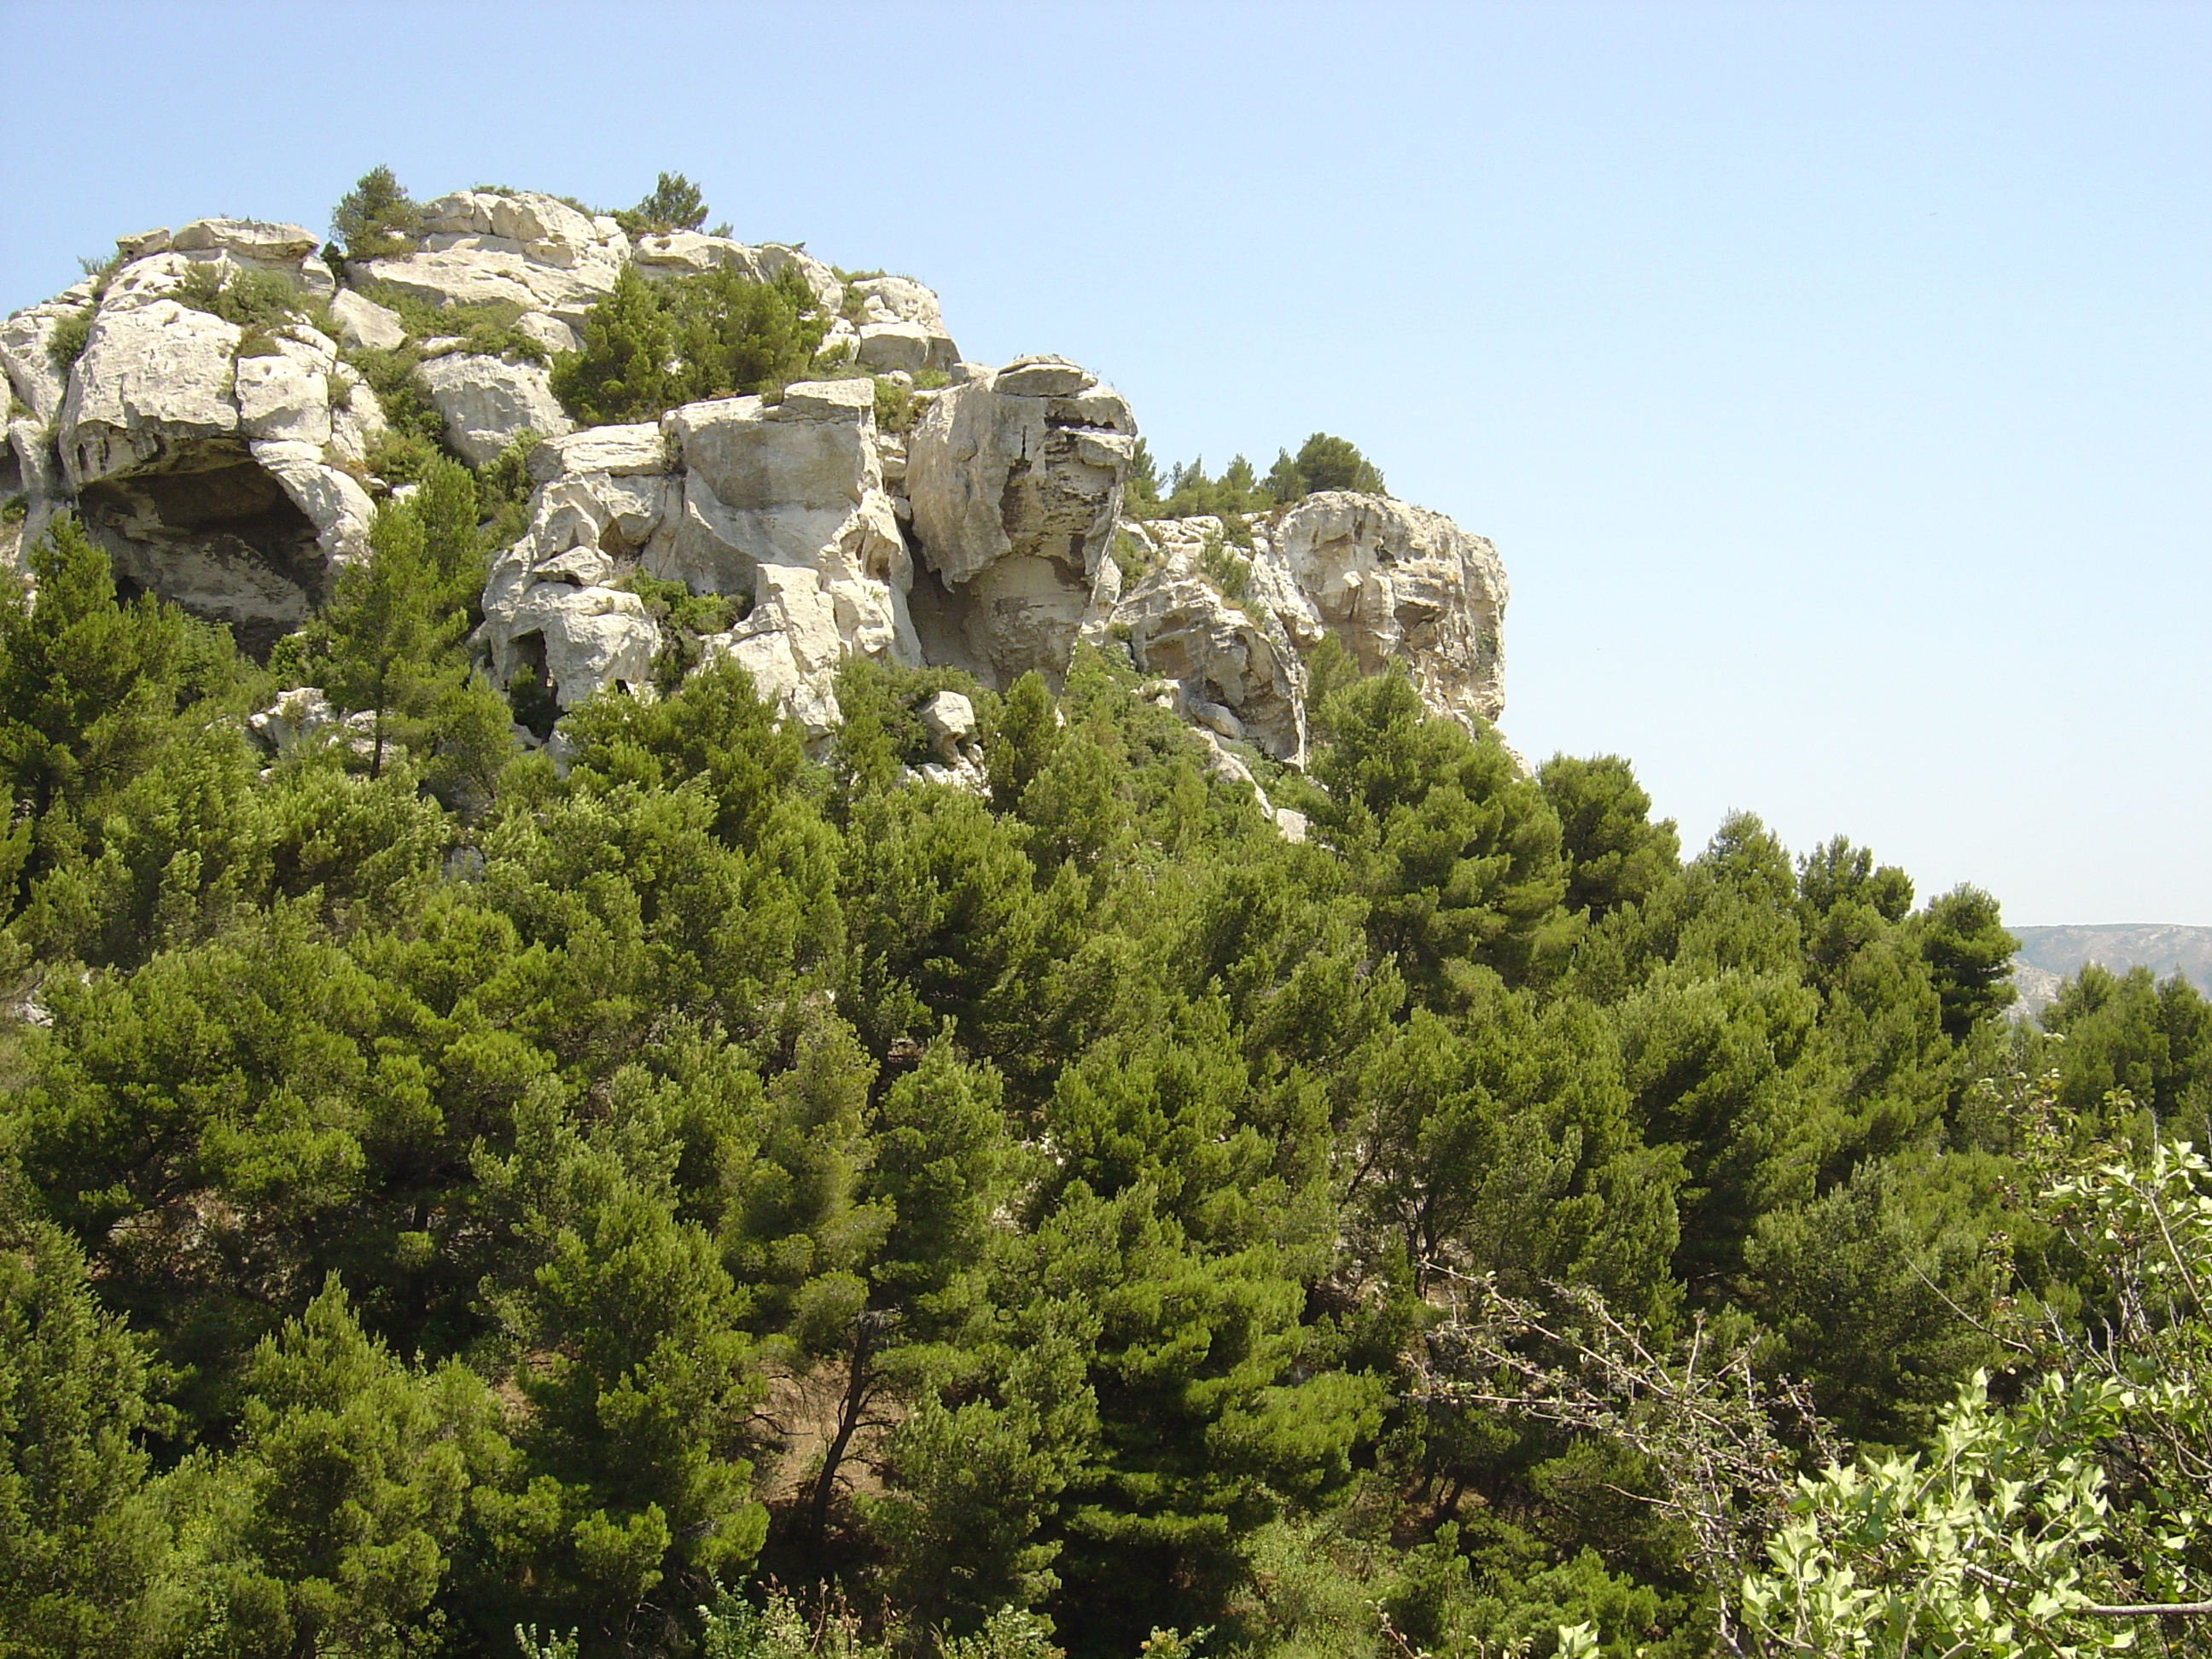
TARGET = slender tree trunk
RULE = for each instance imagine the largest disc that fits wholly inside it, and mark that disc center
(859, 1383)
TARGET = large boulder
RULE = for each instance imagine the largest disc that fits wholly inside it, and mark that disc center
(362, 323)
(900, 327)
(210, 477)
(486, 402)
(285, 391)
(632, 451)
(780, 507)
(522, 249)
(1015, 480)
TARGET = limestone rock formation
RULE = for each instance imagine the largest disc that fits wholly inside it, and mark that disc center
(214, 465)
(1396, 582)
(523, 249)
(1232, 625)
(361, 322)
(488, 401)
(1015, 480)
(226, 468)
(779, 507)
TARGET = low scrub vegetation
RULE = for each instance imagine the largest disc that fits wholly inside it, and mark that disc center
(1323, 462)
(650, 346)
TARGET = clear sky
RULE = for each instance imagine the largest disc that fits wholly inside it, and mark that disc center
(1835, 379)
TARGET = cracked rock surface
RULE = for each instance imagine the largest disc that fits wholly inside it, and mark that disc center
(224, 468)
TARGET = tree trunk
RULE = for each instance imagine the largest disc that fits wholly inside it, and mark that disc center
(859, 1383)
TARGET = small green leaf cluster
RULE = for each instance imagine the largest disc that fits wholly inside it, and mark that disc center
(67, 343)
(896, 407)
(1229, 571)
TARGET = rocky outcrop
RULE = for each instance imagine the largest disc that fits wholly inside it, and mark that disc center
(1232, 623)
(27, 351)
(225, 468)
(1395, 583)
(1015, 481)
(781, 508)
(213, 467)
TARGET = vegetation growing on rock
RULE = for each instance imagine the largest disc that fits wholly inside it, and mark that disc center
(973, 1177)
(377, 217)
(650, 346)
(1323, 462)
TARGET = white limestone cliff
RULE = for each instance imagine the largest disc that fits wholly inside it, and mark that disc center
(228, 473)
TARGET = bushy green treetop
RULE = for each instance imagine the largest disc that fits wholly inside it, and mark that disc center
(376, 218)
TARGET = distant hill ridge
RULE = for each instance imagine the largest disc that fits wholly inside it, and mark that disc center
(2048, 955)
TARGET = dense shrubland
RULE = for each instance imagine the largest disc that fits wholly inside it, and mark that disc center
(731, 1201)
(444, 1198)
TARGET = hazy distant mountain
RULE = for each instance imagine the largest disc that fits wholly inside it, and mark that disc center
(2048, 955)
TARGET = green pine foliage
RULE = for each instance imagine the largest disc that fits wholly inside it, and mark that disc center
(1187, 491)
(733, 1199)
(672, 203)
(650, 346)
(376, 218)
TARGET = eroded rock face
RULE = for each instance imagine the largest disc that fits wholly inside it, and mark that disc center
(779, 508)
(1391, 581)
(25, 342)
(1015, 480)
(1396, 582)
(987, 536)
(213, 480)
(211, 461)
(1241, 672)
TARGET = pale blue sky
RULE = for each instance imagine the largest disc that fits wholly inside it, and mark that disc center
(1833, 377)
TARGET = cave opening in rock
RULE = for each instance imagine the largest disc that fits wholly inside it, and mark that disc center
(941, 617)
(218, 536)
(530, 694)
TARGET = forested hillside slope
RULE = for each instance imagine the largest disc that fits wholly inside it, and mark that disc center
(616, 1048)
(2051, 955)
